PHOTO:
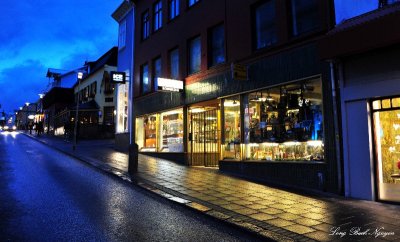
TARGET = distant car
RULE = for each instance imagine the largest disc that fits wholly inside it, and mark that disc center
(9, 128)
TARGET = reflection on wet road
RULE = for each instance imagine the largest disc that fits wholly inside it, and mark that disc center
(48, 196)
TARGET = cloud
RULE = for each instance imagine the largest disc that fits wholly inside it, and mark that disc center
(41, 34)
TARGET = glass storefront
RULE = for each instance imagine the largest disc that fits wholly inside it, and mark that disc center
(283, 123)
(122, 108)
(161, 132)
(386, 118)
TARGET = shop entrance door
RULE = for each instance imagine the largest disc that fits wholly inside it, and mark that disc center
(204, 138)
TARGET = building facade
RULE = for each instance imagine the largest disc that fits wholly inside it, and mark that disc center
(124, 15)
(242, 89)
(363, 53)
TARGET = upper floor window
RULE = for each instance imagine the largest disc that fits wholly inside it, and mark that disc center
(122, 34)
(144, 79)
(194, 55)
(157, 15)
(174, 63)
(217, 45)
(264, 24)
(156, 69)
(145, 25)
(304, 16)
(173, 8)
(192, 2)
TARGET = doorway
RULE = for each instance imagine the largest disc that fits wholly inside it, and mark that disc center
(204, 136)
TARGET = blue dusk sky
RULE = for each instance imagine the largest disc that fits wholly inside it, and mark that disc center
(41, 34)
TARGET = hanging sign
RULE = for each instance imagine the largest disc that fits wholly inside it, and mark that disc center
(239, 72)
(169, 85)
(117, 77)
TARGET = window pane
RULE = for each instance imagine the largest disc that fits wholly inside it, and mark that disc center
(145, 25)
(265, 25)
(122, 34)
(305, 17)
(191, 2)
(286, 123)
(145, 79)
(173, 8)
(171, 128)
(174, 64)
(194, 55)
(157, 15)
(396, 102)
(217, 45)
(376, 104)
(386, 103)
(232, 128)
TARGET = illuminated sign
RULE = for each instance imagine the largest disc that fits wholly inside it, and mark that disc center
(118, 77)
(169, 85)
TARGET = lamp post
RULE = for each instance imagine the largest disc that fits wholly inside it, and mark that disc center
(80, 75)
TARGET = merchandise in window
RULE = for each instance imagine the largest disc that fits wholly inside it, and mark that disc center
(146, 133)
(265, 24)
(122, 108)
(171, 131)
(304, 15)
(232, 128)
(286, 123)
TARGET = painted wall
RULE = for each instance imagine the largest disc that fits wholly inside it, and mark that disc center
(370, 75)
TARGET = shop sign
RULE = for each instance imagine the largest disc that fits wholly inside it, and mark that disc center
(169, 85)
(117, 77)
(239, 72)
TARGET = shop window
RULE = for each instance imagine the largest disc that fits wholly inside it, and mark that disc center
(173, 8)
(387, 148)
(232, 128)
(264, 19)
(174, 64)
(157, 15)
(122, 108)
(217, 45)
(144, 79)
(304, 16)
(171, 138)
(194, 55)
(145, 25)
(146, 133)
(286, 123)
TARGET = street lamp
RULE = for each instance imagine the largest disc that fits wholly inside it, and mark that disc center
(80, 75)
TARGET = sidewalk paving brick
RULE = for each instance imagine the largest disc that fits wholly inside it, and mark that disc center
(274, 213)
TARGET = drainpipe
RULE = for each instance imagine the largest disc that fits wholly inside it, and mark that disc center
(336, 124)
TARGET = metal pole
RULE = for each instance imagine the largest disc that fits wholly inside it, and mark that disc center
(77, 111)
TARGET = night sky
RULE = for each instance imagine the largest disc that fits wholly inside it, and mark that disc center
(41, 34)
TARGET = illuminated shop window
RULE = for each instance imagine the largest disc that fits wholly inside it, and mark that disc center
(122, 108)
(285, 123)
(161, 132)
(386, 120)
(232, 128)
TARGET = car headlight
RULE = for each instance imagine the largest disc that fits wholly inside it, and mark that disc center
(14, 127)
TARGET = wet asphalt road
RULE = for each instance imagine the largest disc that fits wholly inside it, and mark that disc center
(48, 196)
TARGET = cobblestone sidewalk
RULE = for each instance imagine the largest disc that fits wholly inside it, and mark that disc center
(273, 213)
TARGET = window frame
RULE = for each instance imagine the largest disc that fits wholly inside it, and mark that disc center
(170, 52)
(145, 25)
(211, 45)
(191, 3)
(142, 85)
(173, 5)
(154, 74)
(274, 29)
(157, 16)
(190, 41)
(294, 19)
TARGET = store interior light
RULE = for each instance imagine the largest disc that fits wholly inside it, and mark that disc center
(197, 110)
(231, 103)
